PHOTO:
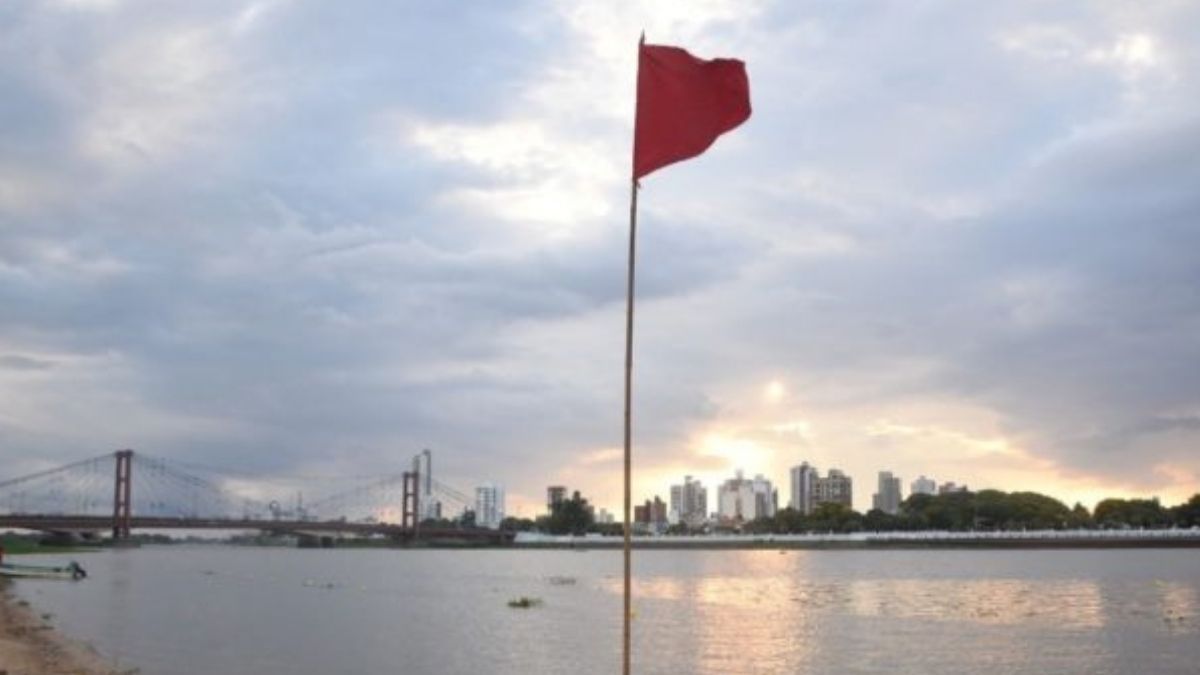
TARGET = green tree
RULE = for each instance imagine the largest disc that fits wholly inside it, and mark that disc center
(1037, 511)
(913, 511)
(512, 524)
(467, 519)
(790, 521)
(878, 521)
(763, 525)
(570, 516)
(950, 511)
(837, 518)
(1080, 517)
(1187, 514)
(1132, 513)
(677, 529)
(994, 510)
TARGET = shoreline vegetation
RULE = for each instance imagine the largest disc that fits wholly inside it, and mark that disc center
(34, 544)
(1040, 539)
(957, 511)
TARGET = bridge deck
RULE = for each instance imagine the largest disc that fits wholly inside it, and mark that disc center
(61, 523)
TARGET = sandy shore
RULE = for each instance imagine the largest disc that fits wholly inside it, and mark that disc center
(29, 646)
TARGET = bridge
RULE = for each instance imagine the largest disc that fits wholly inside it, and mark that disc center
(98, 495)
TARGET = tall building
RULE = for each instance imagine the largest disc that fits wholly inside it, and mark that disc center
(809, 489)
(923, 486)
(555, 494)
(741, 500)
(803, 488)
(836, 488)
(675, 504)
(427, 503)
(689, 503)
(651, 513)
(887, 499)
(489, 506)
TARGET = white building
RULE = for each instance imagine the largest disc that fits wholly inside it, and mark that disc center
(489, 506)
(887, 499)
(742, 500)
(924, 486)
(803, 487)
(689, 503)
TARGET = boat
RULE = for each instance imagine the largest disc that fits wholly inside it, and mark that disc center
(71, 570)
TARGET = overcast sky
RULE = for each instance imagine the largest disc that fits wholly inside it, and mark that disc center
(954, 239)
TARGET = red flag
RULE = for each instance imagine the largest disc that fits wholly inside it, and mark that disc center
(683, 105)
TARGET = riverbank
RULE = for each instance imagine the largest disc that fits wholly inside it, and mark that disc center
(30, 646)
(1047, 539)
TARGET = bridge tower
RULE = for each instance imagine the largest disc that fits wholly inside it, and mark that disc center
(122, 494)
(410, 516)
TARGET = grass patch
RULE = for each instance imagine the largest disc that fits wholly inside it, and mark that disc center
(524, 602)
(28, 544)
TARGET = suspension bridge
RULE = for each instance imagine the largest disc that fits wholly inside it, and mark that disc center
(123, 491)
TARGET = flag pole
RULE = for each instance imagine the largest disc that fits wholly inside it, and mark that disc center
(685, 104)
(625, 669)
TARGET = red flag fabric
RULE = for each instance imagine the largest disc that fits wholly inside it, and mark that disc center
(683, 105)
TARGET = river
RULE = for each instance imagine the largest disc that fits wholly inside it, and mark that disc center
(207, 609)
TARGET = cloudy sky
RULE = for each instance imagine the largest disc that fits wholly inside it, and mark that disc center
(954, 239)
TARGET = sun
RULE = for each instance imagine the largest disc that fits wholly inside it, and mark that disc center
(736, 452)
(774, 392)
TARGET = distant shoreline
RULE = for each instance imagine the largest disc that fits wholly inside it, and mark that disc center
(879, 542)
(854, 546)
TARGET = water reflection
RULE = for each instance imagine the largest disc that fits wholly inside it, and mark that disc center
(1064, 604)
(748, 622)
(1177, 606)
(1075, 604)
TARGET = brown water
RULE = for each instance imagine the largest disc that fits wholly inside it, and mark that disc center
(187, 611)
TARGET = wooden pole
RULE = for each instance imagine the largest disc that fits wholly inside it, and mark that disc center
(625, 669)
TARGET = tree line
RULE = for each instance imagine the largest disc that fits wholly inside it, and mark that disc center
(984, 510)
(955, 511)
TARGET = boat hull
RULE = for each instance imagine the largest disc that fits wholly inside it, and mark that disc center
(72, 571)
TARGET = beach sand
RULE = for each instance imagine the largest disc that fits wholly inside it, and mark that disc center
(29, 646)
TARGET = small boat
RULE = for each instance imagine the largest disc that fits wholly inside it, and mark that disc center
(70, 571)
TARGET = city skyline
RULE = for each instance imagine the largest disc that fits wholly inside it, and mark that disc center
(836, 487)
(970, 256)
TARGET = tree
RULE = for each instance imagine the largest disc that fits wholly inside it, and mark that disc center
(512, 524)
(467, 519)
(570, 516)
(1037, 511)
(950, 511)
(994, 510)
(839, 518)
(1080, 518)
(790, 521)
(762, 525)
(1188, 513)
(1132, 513)
(677, 529)
(878, 521)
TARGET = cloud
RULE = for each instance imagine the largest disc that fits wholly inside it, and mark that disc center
(281, 237)
(18, 362)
